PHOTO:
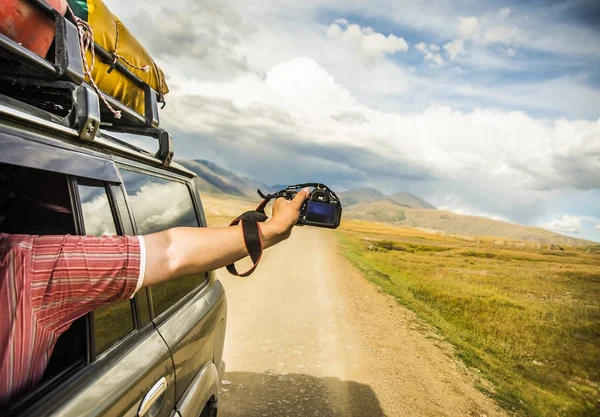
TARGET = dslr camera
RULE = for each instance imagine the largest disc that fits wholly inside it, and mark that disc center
(322, 208)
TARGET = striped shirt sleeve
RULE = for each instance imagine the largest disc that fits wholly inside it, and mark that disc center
(73, 275)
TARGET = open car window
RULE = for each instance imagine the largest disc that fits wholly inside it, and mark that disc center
(158, 204)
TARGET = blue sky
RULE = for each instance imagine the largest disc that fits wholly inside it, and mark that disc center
(485, 108)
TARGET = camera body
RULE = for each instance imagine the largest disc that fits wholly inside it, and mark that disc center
(322, 208)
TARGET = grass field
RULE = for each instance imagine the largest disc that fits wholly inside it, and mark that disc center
(528, 320)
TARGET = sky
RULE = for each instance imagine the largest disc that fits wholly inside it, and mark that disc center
(484, 108)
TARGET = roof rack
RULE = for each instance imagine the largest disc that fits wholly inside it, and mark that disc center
(56, 84)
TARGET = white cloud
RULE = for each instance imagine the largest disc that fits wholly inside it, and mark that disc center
(504, 12)
(485, 30)
(502, 34)
(468, 26)
(482, 155)
(422, 47)
(431, 54)
(598, 229)
(436, 59)
(452, 202)
(370, 43)
(454, 49)
(531, 159)
(564, 224)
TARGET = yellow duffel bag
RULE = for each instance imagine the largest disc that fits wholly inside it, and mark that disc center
(110, 33)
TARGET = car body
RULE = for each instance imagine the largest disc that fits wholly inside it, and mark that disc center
(159, 354)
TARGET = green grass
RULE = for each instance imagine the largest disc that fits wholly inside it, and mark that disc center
(528, 319)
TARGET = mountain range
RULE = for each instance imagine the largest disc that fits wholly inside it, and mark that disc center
(370, 204)
(212, 178)
(371, 195)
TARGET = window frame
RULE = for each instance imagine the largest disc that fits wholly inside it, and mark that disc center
(92, 355)
(128, 165)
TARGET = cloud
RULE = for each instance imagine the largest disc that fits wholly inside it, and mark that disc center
(500, 127)
(598, 229)
(352, 117)
(298, 112)
(486, 31)
(565, 224)
(468, 27)
(370, 44)
(431, 54)
(504, 12)
(422, 47)
(207, 33)
(454, 49)
(436, 59)
(507, 35)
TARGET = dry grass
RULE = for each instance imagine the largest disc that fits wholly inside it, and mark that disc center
(221, 209)
(528, 319)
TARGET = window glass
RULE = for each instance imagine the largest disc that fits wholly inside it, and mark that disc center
(158, 204)
(97, 215)
(113, 321)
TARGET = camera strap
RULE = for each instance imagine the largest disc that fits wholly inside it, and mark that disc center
(250, 227)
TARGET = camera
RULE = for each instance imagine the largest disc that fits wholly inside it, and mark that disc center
(322, 208)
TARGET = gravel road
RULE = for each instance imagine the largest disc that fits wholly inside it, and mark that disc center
(308, 336)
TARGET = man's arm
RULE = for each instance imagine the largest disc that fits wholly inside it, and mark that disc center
(182, 251)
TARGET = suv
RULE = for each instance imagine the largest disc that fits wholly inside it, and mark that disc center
(67, 166)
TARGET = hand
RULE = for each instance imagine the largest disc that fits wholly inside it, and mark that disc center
(286, 213)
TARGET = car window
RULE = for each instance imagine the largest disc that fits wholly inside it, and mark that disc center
(114, 321)
(34, 202)
(158, 204)
(97, 214)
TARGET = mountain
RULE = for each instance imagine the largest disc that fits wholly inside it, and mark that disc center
(370, 204)
(372, 195)
(212, 178)
(360, 195)
(446, 221)
(410, 200)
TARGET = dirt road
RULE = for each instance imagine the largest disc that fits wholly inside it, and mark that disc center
(308, 336)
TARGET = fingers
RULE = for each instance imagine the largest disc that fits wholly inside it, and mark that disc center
(301, 197)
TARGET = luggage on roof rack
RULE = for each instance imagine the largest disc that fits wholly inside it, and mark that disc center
(133, 92)
(28, 26)
(51, 77)
(112, 35)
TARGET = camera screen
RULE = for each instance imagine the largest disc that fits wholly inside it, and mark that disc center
(318, 212)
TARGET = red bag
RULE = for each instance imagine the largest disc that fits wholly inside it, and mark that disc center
(25, 24)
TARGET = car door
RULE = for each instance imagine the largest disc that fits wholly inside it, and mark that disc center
(190, 311)
(111, 362)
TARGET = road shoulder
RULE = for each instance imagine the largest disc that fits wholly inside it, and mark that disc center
(406, 362)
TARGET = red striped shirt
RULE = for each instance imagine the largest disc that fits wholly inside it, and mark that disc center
(47, 282)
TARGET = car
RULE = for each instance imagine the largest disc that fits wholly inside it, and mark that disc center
(68, 167)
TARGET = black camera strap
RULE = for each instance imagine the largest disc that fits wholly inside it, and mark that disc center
(250, 228)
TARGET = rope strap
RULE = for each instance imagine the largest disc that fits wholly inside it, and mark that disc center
(116, 56)
(86, 42)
